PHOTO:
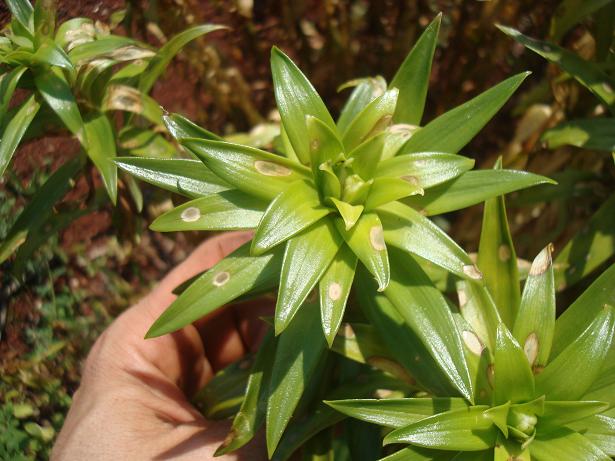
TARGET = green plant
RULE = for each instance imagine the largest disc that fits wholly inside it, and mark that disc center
(544, 388)
(77, 76)
(344, 201)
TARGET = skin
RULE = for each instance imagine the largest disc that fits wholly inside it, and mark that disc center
(133, 401)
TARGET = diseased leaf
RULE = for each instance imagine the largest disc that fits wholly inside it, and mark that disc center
(497, 259)
(426, 169)
(473, 187)
(591, 133)
(396, 413)
(466, 429)
(101, 47)
(292, 211)
(454, 129)
(128, 99)
(360, 342)
(426, 312)
(585, 72)
(101, 150)
(535, 322)
(412, 78)
(479, 311)
(226, 210)
(251, 170)
(15, 130)
(334, 289)
(373, 119)
(366, 240)
(165, 54)
(514, 381)
(306, 259)
(186, 177)
(408, 230)
(297, 355)
(296, 98)
(571, 374)
(235, 275)
(180, 127)
(365, 91)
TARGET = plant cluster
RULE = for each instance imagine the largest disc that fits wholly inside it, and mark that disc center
(342, 208)
(78, 77)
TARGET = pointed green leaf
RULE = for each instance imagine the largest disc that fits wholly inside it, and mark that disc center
(334, 289)
(513, 376)
(581, 313)
(251, 414)
(426, 169)
(425, 310)
(398, 338)
(412, 78)
(565, 445)
(297, 355)
(296, 98)
(479, 311)
(451, 131)
(591, 247)
(165, 54)
(251, 170)
(51, 54)
(324, 143)
(289, 213)
(386, 190)
(180, 127)
(40, 207)
(15, 130)
(373, 119)
(360, 342)
(145, 142)
(57, 93)
(473, 187)
(591, 133)
(535, 322)
(497, 259)
(306, 259)
(22, 11)
(227, 210)
(365, 91)
(466, 429)
(366, 240)
(585, 72)
(558, 414)
(235, 275)
(350, 213)
(101, 150)
(366, 156)
(396, 413)
(407, 229)
(186, 177)
(573, 372)
(8, 83)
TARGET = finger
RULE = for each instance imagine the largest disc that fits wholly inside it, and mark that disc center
(221, 340)
(249, 320)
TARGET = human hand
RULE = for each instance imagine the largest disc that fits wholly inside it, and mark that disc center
(133, 401)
